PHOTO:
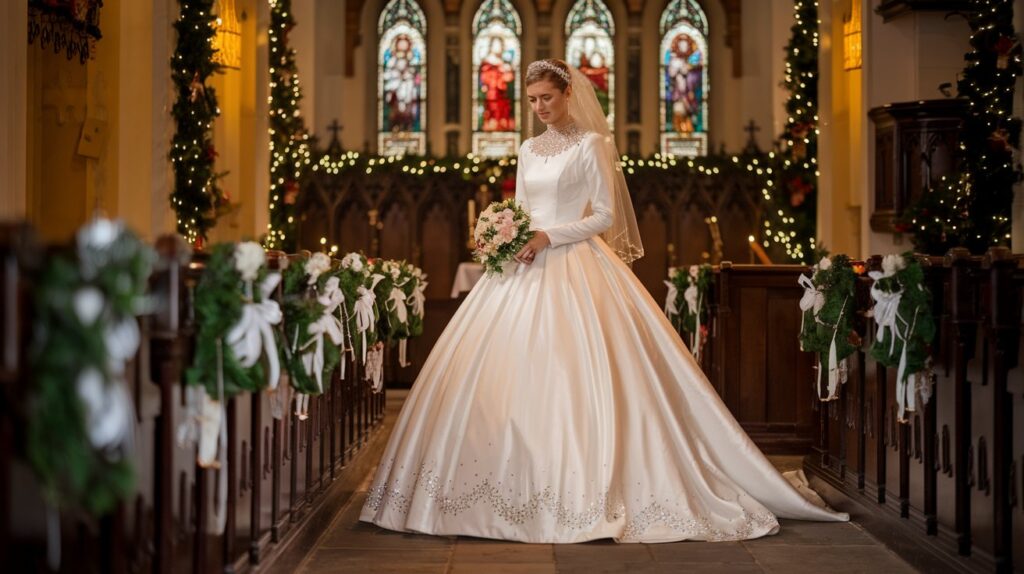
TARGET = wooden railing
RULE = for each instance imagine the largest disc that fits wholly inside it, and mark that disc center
(951, 477)
(278, 468)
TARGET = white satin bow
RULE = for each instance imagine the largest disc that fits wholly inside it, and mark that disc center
(886, 313)
(690, 296)
(364, 310)
(670, 300)
(812, 299)
(328, 324)
(396, 303)
(417, 299)
(253, 333)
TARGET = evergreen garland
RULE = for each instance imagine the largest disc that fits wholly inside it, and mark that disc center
(289, 142)
(834, 280)
(972, 208)
(219, 299)
(85, 306)
(798, 172)
(196, 197)
(904, 276)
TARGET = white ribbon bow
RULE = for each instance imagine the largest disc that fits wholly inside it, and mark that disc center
(886, 312)
(364, 310)
(812, 299)
(690, 296)
(396, 303)
(328, 324)
(417, 299)
(253, 333)
(670, 300)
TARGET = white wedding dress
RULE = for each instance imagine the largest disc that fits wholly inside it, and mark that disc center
(560, 405)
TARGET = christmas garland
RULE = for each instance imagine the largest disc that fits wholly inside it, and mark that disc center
(233, 308)
(80, 419)
(196, 199)
(906, 327)
(826, 329)
(314, 327)
(972, 208)
(687, 303)
(289, 142)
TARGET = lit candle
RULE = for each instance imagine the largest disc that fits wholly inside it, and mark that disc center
(472, 213)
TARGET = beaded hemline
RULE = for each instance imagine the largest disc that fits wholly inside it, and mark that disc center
(546, 501)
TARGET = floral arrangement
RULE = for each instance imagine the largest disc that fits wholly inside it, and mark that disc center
(501, 231)
(400, 290)
(236, 317)
(80, 419)
(906, 327)
(686, 303)
(314, 333)
(358, 283)
(827, 306)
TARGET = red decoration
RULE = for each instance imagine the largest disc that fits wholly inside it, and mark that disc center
(291, 192)
(798, 191)
(1004, 49)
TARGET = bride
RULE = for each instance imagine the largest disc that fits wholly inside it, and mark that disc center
(559, 405)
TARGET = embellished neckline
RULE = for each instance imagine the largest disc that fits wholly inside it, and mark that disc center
(555, 141)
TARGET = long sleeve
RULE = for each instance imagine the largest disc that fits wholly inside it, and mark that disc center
(521, 196)
(598, 172)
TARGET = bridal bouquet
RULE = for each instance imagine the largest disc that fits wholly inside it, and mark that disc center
(501, 231)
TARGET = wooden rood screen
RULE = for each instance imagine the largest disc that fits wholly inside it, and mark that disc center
(278, 469)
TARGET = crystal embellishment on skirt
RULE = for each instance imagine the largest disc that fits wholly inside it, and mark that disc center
(554, 141)
(399, 500)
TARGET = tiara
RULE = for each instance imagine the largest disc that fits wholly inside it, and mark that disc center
(546, 65)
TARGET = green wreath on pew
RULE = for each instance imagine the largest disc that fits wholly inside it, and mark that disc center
(219, 300)
(354, 273)
(80, 417)
(305, 279)
(828, 306)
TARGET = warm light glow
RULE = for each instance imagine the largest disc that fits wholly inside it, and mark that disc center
(852, 59)
(228, 38)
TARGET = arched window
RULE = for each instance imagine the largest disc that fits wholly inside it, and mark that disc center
(684, 79)
(496, 62)
(402, 79)
(589, 29)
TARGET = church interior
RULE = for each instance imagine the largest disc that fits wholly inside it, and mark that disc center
(829, 194)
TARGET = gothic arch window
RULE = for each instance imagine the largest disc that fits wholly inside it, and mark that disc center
(402, 79)
(496, 83)
(684, 79)
(590, 29)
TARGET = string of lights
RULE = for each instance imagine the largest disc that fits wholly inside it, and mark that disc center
(290, 155)
(196, 197)
(972, 208)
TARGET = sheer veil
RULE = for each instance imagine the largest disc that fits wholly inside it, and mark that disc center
(624, 235)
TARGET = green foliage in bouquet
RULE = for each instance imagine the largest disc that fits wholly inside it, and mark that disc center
(355, 273)
(78, 304)
(905, 276)
(219, 301)
(702, 277)
(390, 326)
(413, 288)
(302, 308)
(834, 278)
(493, 250)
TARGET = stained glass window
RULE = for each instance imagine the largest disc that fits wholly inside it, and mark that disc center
(589, 29)
(402, 79)
(496, 62)
(684, 79)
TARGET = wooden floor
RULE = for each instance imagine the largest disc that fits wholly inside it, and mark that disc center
(348, 545)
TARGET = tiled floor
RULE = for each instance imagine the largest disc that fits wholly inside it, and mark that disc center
(351, 546)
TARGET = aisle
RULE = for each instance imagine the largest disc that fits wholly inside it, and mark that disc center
(351, 546)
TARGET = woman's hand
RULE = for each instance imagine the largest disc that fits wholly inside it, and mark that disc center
(535, 245)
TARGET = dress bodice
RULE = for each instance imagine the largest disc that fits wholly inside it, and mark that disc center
(567, 194)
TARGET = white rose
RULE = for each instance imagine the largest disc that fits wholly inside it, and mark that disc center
(395, 272)
(317, 264)
(249, 257)
(88, 303)
(891, 264)
(100, 233)
(694, 271)
(825, 264)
